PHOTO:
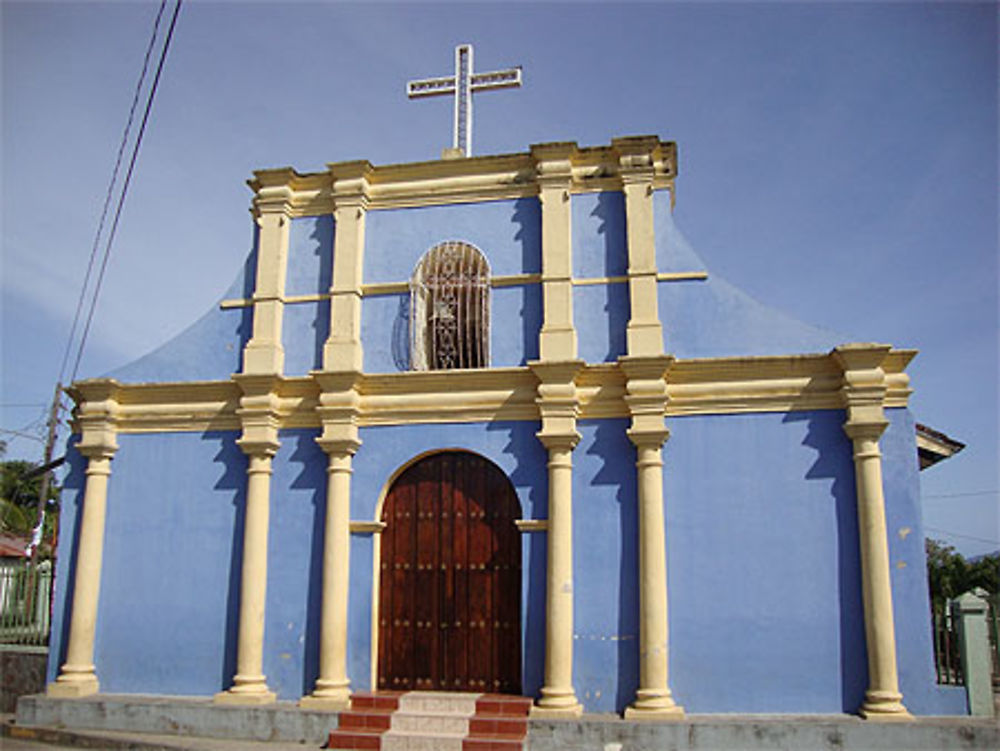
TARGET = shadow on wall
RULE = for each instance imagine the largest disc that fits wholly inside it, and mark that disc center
(530, 480)
(233, 465)
(311, 476)
(73, 482)
(834, 462)
(608, 443)
(244, 330)
(610, 210)
(528, 218)
(322, 234)
(401, 334)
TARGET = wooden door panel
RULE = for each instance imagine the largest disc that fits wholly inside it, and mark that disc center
(450, 578)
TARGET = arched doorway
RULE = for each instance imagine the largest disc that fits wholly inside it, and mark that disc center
(450, 578)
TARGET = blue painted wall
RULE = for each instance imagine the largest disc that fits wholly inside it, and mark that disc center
(600, 250)
(172, 552)
(764, 589)
(907, 561)
(763, 560)
(310, 255)
(507, 232)
(761, 525)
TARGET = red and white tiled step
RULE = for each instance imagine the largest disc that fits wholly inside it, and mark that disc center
(433, 721)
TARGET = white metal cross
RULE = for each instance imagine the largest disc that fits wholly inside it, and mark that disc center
(463, 84)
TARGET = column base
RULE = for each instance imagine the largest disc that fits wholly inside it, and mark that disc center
(571, 710)
(662, 713)
(654, 706)
(72, 689)
(557, 703)
(884, 706)
(235, 697)
(883, 714)
(326, 703)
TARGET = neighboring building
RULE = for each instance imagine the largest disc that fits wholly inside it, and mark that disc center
(934, 446)
(423, 443)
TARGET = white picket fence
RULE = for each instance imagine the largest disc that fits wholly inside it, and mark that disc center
(25, 597)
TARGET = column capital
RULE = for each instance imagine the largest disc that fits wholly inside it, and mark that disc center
(258, 413)
(272, 193)
(338, 410)
(871, 429)
(554, 163)
(339, 447)
(864, 383)
(95, 416)
(558, 403)
(644, 438)
(350, 181)
(555, 441)
(637, 157)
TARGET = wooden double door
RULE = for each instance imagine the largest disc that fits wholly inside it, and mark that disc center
(450, 578)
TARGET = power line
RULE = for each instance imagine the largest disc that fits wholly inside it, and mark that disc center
(967, 537)
(962, 495)
(124, 190)
(111, 187)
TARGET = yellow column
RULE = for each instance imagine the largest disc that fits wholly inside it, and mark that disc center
(264, 352)
(646, 397)
(864, 396)
(557, 404)
(637, 167)
(258, 413)
(339, 405)
(97, 411)
(342, 351)
(554, 173)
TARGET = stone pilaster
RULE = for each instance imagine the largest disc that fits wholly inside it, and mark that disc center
(554, 173)
(338, 410)
(264, 353)
(646, 398)
(259, 414)
(557, 403)
(96, 417)
(863, 393)
(342, 351)
(637, 167)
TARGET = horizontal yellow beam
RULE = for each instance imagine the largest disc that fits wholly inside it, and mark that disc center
(511, 280)
(694, 387)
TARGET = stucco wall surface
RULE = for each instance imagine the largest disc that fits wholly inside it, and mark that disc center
(763, 560)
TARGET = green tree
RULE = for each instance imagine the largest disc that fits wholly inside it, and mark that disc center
(20, 486)
(950, 575)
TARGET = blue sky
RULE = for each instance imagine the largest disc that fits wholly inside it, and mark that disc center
(837, 161)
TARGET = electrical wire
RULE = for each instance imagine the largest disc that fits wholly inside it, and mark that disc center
(124, 191)
(110, 192)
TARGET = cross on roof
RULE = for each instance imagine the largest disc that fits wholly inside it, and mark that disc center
(463, 84)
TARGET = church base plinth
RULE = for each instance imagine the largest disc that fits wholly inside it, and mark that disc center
(237, 697)
(334, 702)
(671, 712)
(76, 689)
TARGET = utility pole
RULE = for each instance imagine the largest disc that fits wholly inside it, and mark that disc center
(43, 490)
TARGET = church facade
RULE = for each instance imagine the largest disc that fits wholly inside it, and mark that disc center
(487, 424)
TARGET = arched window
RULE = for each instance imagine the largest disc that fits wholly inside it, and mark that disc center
(450, 309)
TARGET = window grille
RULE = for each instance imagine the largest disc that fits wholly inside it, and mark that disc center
(450, 309)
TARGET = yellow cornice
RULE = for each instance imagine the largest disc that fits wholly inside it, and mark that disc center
(731, 385)
(480, 178)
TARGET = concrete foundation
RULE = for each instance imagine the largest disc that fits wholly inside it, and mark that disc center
(285, 722)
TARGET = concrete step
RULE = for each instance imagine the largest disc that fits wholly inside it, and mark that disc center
(433, 721)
